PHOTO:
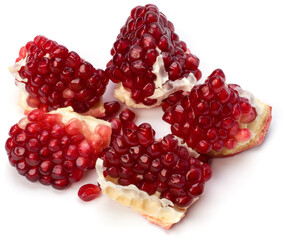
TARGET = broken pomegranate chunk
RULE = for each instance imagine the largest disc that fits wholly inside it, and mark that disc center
(56, 148)
(165, 167)
(217, 118)
(149, 60)
(53, 77)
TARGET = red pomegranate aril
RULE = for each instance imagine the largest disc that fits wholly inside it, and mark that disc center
(127, 115)
(22, 167)
(183, 201)
(60, 183)
(18, 153)
(32, 174)
(147, 187)
(125, 172)
(196, 190)
(136, 151)
(58, 172)
(82, 163)
(169, 159)
(111, 108)
(76, 175)
(145, 161)
(126, 160)
(160, 186)
(130, 137)
(145, 134)
(32, 159)
(115, 125)
(176, 180)
(163, 175)
(112, 172)
(46, 167)
(9, 145)
(193, 175)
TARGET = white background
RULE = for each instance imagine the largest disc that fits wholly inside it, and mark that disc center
(245, 198)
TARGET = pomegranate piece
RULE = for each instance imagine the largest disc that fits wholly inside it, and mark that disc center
(165, 169)
(89, 192)
(216, 118)
(52, 77)
(149, 61)
(58, 147)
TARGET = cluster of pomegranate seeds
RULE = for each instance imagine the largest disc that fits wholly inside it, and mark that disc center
(89, 192)
(44, 149)
(155, 166)
(146, 34)
(211, 116)
(57, 77)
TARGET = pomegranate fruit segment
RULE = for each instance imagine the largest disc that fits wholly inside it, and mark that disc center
(216, 118)
(56, 148)
(149, 61)
(51, 77)
(166, 167)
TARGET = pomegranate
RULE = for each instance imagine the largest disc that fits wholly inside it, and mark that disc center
(216, 118)
(149, 61)
(50, 77)
(58, 147)
(142, 172)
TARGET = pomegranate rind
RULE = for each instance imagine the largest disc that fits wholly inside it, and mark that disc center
(258, 128)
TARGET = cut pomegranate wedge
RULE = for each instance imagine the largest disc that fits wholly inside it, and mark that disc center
(149, 60)
(216, 118)
(56, 148)
(50, 77)
(159, 179)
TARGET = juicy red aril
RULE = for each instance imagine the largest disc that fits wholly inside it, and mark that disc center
(89, 192)
(111, 108)
(43, 149)
(127, 115)
(162, 166)
(146, 34)
(209, 117)
(145, 134)
(52, 72)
